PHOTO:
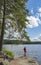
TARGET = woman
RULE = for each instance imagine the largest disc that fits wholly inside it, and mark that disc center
(24, 51)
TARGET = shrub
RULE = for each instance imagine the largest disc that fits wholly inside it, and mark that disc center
(8, 52)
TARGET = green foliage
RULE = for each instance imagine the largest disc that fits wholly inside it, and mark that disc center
(18, 11)
(16, 42)
(8, 52)
(13, 42)
(19, 42)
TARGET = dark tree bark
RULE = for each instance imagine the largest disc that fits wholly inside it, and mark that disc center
(3, 25)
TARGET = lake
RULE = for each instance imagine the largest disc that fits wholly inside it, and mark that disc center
(33, 50)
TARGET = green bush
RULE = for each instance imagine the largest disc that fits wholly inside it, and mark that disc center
(8, 52)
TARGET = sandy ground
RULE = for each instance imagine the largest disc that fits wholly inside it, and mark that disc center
(24, 61)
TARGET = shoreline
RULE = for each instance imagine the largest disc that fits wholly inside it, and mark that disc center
(24, 61)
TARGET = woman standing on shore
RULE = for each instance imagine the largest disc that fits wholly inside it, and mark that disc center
(24, 51)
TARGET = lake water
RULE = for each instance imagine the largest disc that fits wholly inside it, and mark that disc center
(33, 50)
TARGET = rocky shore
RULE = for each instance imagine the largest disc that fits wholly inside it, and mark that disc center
(24, 61)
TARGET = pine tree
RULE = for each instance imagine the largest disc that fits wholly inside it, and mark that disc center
(15, 11)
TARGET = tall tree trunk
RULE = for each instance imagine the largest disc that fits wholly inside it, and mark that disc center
(3, 25)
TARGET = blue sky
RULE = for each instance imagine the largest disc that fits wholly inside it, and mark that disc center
(34, 28)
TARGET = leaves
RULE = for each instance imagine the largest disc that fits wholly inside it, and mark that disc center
(16, 12)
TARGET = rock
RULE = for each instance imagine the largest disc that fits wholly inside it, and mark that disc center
(24, 61)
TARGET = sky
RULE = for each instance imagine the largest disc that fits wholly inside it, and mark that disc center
(34, 26)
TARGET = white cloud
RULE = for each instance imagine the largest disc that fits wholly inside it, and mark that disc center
(33, 21)
(39, 10)
(34, 39)
(38, 38)
(40, 14)
(40, 35)
(32, 11)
